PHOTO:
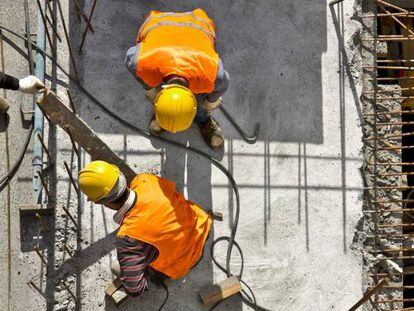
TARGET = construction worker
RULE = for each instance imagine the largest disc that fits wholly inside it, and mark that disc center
(28, 85)
(176, 62)
(161, 234)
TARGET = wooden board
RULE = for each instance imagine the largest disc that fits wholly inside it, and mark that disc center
(217, 292)
(116, 292)
(81, 133)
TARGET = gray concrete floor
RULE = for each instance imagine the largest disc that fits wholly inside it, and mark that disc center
(300, 185)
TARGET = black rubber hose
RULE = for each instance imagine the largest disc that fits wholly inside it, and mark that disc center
(6, 179)
(249, 300)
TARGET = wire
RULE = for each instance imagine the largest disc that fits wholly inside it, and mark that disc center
(8, 177)
(250, 300)
(166, 297)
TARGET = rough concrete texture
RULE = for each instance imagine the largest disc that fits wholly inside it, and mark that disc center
(300, 185)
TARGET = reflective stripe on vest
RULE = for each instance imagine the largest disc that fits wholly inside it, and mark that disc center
(179, 44)
(163, 218)
(167, 14)
(177, 24)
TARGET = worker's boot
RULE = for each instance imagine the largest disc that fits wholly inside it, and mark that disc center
(212, 133)
(154, 127)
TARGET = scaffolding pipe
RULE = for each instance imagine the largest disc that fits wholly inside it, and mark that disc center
(38, 115)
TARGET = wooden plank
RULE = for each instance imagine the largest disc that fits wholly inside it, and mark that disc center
(217, 292)
(61, 115)
(113, 286)
(116, 292)
(35, 208)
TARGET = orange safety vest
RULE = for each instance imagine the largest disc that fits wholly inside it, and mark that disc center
(163, 218)
(178, 44)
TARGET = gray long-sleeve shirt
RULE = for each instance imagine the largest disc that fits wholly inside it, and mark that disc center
(220, 85)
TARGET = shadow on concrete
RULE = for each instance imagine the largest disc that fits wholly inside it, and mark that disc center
(272, 50)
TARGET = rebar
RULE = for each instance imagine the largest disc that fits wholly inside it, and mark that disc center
(70, 216)
(44, 184)
(66, 248)
(42, 258)
(72, 180)
(69, 290)
(389, 112)
(391, 6)
(32, 284)
(75, 148)
(72, 106)
(51, 23)
(86, 30)
(45, 24)
(83, 15)
(44, 146)
(68, 41)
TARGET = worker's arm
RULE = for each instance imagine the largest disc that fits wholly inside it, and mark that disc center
(131, 63)
(220, 85)
(29, 85)
(134, 259)
(8, 82)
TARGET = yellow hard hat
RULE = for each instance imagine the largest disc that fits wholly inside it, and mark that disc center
(101, 182)
(175, 108)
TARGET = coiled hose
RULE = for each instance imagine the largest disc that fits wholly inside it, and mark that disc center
(248, 296)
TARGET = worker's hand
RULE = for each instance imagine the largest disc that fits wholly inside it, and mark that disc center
(31, 85)
(210, 106)
(151, 94)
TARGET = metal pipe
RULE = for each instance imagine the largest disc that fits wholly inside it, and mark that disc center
(38, 115)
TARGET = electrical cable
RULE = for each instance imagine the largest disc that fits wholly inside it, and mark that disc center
(166, 297)
(250, 300)
(6, 179)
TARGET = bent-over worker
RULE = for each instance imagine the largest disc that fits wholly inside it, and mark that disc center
(176, 62)
(161, 234)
